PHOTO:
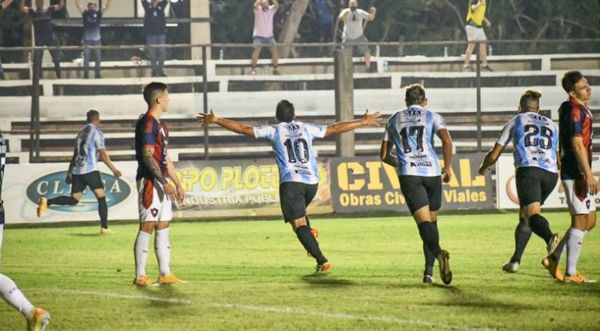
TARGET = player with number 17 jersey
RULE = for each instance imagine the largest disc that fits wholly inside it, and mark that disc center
(412, 131)
(535, 141)
(292, 145)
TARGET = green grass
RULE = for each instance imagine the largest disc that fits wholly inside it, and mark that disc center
(254, 275)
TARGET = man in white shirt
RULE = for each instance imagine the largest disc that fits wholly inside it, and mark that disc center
(263, 32)
(353, 35)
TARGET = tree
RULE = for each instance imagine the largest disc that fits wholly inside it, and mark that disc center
(292, 23)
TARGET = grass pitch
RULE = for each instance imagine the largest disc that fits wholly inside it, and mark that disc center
(254, 275)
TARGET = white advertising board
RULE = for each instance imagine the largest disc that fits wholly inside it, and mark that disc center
(24, 184)
(506, 188)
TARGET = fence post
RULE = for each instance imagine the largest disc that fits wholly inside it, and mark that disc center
(34, 126)
(344, 99)
(478, 88)
(205, 98)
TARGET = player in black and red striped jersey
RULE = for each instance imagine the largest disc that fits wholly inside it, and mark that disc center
(575, 129)
(157, 183)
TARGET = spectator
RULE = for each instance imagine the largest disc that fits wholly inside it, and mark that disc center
(353, 35)
(92, 17)
(263, 32)
(155, 28)
(475, 34)
(42, 26)
(322, 11)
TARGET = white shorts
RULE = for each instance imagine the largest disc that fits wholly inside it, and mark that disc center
(578, 199)
(475, 34)
(151, 207)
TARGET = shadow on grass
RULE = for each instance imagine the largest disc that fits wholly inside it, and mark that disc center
(162, 296)
(326, 280)
(85, 234)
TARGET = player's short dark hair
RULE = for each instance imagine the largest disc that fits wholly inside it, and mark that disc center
(285, 111)
(92, 114)
(570, 79)
(415, 94)
(530, 100)
(151, 90)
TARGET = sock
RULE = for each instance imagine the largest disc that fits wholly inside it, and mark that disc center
(140, 250)
(539, 225)
(310, 243)
(63, 200)
(162, 248)
(522, 235)
(430, 236)
(561, 246)
(14, 297)
(103, 212)
(574, 244)
(429, 260)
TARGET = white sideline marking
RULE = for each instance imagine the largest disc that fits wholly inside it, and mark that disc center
(261, 308)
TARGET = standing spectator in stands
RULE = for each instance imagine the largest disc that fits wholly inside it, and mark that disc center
(324, 19)
(92, 17)
(263, 32)
(353, 35)
(42, 26)
(475, 34)
(155, 28)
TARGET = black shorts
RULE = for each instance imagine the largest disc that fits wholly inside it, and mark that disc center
(294, 198)
(421, 191)
(534, 185)
(91, 179)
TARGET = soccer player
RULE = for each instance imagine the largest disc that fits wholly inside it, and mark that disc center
(83, 170)
(409, 133)
(158, 186)
(535, 142)
(297, 163)
(575, 127)
(37, 318)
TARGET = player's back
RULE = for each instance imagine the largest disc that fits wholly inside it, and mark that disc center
(292, 145)
(535, 141)
(412, 131)
(89, 141)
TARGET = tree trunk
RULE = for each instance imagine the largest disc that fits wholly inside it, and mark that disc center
(290, 28)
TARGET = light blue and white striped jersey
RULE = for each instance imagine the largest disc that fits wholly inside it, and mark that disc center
(292, 145)
(535, 139)
(89, 141)
(412, 131)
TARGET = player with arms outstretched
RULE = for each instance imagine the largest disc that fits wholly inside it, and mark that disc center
(296, 159)
(535, 141)
(37, 318)
(158, 186)
(409, 133)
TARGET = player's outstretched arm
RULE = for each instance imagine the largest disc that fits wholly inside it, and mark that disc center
(385, 153)
(231, 125)
(490, 158)
(106, 159)
(341, 127)
(447, 153)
